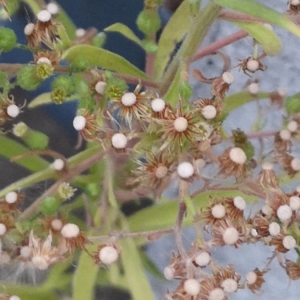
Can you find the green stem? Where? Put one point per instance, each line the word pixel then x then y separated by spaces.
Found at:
pixel 35 5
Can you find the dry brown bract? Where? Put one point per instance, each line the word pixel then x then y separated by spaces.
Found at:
pixel 255 280
pixel 292 270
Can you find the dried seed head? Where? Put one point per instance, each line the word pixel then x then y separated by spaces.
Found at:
pixel 239 202
pixel 228 77
pixel 292 270
pixel 11 197
pixel 295 164
pixel 14 297
pixel 253 88
pixel 169 273
pixel 128 99
pixel 108 255
pixel 44 16
pixel 3 229
pixel 202 259
pixel 100 87
pixel 29 28
pixel 185 170
pixel 216 294
pixel 25 252
pixel 181 124
pixel 285 134
pixel 192 287
pixel 161 171
pixel 295 2
pixel 79 123
pixel 58 164
pixel 218 211
pixel 229 285
pixel 53 8
pixel 294 203
pixel 230 236
pixel 274 229
pixel 267 210
pixel 251 278
pixel 237 155
pixel 13 110
pixel 284 212
pixel 119 141
pixel 44 60
pixel 70 231
pixel 289 242
pixel 80 32
pixel 292 126
pixel 56 224
pixel 209 112
pixel 158 105
pixel 252 65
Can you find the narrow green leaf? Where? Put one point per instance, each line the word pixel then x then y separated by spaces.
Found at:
pixel 65 40
pixel 172 94
pixel 68 24
pixel 45 98
pixel 103 58
pixel 125 31
pixel 172 34
pixel 266 37
pixel 262 12
pixel 138 284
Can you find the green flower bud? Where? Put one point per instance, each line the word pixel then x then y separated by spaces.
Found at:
pixel 43 71
pixel 58 95
pixel 26 78
pixel 65 191
pixel 80 64
pixel 239 137
pixel 8 39
pixel 50 206
pixel 3 80
pixel 292 104
pixel 64 82
pixel 152 4
pixel 185 90
pixel 99 40
pixel 150 47
pixel 148 21
pixel 92 190
pixel 34 139
pixel 115 88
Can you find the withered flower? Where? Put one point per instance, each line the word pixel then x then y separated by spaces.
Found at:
pixel 235 208
pixel 107 254
pixel 267 177
pixel 214 212
pixel 86 125
pixel 208 108
pixel 46 28
pixel 176 268
pixel 227 278
pixel 291 164
pixel 210 289
pixel 278 97
pixel 293 6
pixel 283 243
pixel 12 201
pixel 221 85
pixel 292 270
pixel 50 57
pixel 255 280
pixel 33 38
pixel 52 224
pixel 261 225
pixel 252 65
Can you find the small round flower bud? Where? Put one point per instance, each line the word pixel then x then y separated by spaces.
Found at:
pixel 289 242
pixel 11 197
pixel 13 110
pixel 80 32
pixel 108 255
pixel 44 60
pixel 65 191
pixel 161 171
pixel 79 123
pixel 20 129
pixel 202 259
pixel 254 232
pixel 209 112
pixel 3 229
pixel 284 212
pixel 292 126
pixel 295 164
pixel 253 88
pixel 63 82
pixel 192 287
pixel 185 170
pixel 216 294
pixel 230 236
pixel 229 285
pixel 239 202
pixel 100 87
pixel 228 77
pixel 27 79
pixel 158 105
pixel 14 297
pixel 58 164
pixel 80 64
pixel 148 21
pixel 169 273
pixel 29 28
pixel 285 134
pixel 25 252
pixel 99 40
pixel 50 205
pixel 70 231
pixel 128 99
pixel 8 39
pixel 43 71
pixel 57 224
pixel 252 65
pixel 53 8
pixel 218 211
pixel 251 277
pixel 294 203
pixel 274 229
pixel 44 16
pixel 238 155
pixel 119 141
pixel 180 124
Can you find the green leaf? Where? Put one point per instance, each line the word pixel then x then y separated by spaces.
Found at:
pixel 138 284
pixel 68 24
pixel 125 31
pixel 172 34
pixel 45 98
pixel 64 37
pixel 10 149
pixel 266 37
pixel 262 12
pixel 103 58
pixel 172 94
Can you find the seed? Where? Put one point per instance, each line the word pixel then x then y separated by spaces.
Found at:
pixel 11 197
pixel 237 155
pixel 128 99
pixel 239 202
pixel 192 287
pixel 14 297
pixel 100 87
pixel 57 224
pixel 252 65
pixel 44 60
pixel 229 285
pixel 25 252
pixel 70 231
pixel 295 164
pixel 58 164
pixel 209 112
pixel 185 170
pixel 79 123
pixel 29 28
pixel 108 255
pixel 218 211
pixel 169 273
pixel 254 232
pixel 44 16
pixel 230 236
pixel 158 105
pixel 294 202
pixel 251 277
pixel 53 8
pixel 267 166
pixel 80 32
pixel 13 110
pixel 119 141
pixel 285 134
pixel 216 294
pixel 289 242
pixel 228 77
pixel 180 124
pixel 292 126
pixel 161 171
pixel 253 88
pixel 202 259
pixel 274 229
pixel 284 212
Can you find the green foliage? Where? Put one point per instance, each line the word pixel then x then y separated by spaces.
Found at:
pixel 8 39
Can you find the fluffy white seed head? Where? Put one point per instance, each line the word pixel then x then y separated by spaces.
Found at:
pixel 252 65
pixel 289 242
pixel 284 212
pixel 251 277
pixel 269 26
pixel 202 259
pixel 44 16
pixel 169 273
pixel 295 164
pixel 216 294
pixel 292 126
pixel 209 112
pixel 228 77
pixel 53 8
pixel 108 255
pixel 229 285
pixel 267 166
pixel 254 232
pixel 161 171
pixel 25 252
pixel 79 123
pixel 40 262
pixel 14 297
pixel 57 224
pixel 119 141
pixel 44 60
pixel 13 110
pixel 218 211
pixel 253 88
pixel 29 28
pixel 230 236
pixel 58 164
pixel 180 124
pixel 239 202
pixel 274 229
pixel 3 229
pixel 70 231
pixel 294 202
pixel 100 87
pixel 295 2
pixel 11 197
pixel 285 134
pixel 158 104
pixel 80 32
pixel 185 170
pixel 267 210
pixel 192 287
pixel 237 155
pixel 128 99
